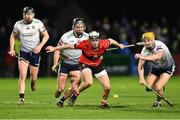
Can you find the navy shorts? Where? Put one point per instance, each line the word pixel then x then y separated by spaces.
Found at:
pixel 94 69
pixel 158 72
pixel 34 59
pixel 66 68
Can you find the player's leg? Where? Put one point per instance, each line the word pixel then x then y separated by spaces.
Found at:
pixel 160 84
pixel 163 79
pixel 75 78
pixel 164 76
pixel 88 81
pixel 68 93
pixel 61 79
pixel 61 84
pixel 33 76
pixel 34 68
pixel 150 80
pixel 23 68
pixel 105 82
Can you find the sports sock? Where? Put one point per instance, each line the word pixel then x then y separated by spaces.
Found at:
pixel 74 97
pixel 21 95
pixel 62 99
pixel 104 102
pixel 158 99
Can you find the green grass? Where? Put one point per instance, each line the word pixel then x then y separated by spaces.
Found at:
pixel 133 102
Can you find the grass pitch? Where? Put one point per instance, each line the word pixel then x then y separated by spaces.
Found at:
pixel 133 102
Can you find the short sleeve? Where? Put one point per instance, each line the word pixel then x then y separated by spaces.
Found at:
pixel 105 43
pixel 15 29
pixel 41 27
pixel 80 45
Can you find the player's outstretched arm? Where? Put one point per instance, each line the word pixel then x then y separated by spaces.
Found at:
pixel 64 46
pixel 156 56
pixel 113 42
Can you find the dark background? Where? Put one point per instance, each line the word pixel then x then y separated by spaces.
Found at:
pixel 120 15
pixel 95 9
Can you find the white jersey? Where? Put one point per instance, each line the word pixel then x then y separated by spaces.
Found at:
pixel 72 54
pixel 29 34
pixel 165 61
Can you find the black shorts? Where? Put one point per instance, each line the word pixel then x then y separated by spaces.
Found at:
pixel 66 68
pixel 34 59
pixel 94 69
pixel 158 72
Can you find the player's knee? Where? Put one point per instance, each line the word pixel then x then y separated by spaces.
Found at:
pixel 107 88
pixel 33 76
pixel 22 75
pixel 88 84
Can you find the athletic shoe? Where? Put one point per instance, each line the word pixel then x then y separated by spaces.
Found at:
pixel 72 99
pixel 60 104
pixel 105 106
pixel 156 104
pixel 57 94
pixel 33 85
pixel 21 101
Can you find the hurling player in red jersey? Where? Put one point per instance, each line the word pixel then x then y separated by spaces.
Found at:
pixel 90 61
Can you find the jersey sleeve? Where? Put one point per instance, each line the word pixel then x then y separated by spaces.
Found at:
pixel 62 40
pixel 159 48
pixel 105 43
pixel 41 27
pixel 15 29
pixel 80 45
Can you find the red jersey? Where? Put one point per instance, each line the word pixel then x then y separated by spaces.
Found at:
pixel 90 56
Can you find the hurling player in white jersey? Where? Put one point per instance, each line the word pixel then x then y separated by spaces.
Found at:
pixel 69 67
pixel 162 65
pixel 29 31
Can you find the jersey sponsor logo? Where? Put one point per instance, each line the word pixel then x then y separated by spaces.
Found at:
pixel 33 27
pixel 72 41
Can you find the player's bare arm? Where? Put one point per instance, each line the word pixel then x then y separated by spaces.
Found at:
pixel 156 56
pixel 45 38
pixel 141 72
pixel 12 43
pixel 64 46
pixel 56 57
pixel 116 43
